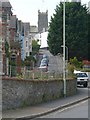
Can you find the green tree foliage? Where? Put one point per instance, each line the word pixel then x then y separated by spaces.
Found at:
pixel 76 63
pixel 29 60
pixel 89 36
pixel 35 47
pixel 76 29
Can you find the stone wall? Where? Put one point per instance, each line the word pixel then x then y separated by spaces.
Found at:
pixel 21 93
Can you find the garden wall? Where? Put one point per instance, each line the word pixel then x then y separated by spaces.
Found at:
pixel 20 93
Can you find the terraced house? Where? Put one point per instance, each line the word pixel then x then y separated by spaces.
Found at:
pixel 10 49
pixel 5 13
pixel 15 40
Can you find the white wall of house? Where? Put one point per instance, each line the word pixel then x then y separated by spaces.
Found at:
pixel 27 45
pixel 28 42
pixel 42 39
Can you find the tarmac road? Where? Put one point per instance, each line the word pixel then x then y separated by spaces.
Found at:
pixel 79 110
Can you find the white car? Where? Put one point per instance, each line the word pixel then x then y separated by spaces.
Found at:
pixel 82 79
pixel 1 74
pixel 44 60
pixel 45 57
pixel 43 67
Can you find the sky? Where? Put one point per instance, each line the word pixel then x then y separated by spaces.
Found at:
pixel 27 10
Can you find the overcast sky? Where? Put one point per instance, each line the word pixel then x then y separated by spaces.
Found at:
pixel 27 10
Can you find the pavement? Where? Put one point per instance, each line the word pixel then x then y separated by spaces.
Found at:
pixel 44 108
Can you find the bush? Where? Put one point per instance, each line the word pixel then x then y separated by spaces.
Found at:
pixel 76 63
pixel 71 68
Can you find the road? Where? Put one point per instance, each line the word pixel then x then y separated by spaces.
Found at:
pixel 79 110
pixel 0 97
pixel 55 62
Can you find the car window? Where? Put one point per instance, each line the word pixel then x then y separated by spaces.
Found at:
pixel 43 64
pixel 44 56
pixel 82 75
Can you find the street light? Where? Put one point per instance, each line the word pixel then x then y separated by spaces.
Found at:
pixel 66 56
pixel 64 77
pixel 67 59
pixel 66 52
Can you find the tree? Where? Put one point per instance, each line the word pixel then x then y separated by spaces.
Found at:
pixel 31 59
pixel 89 36
pixel 35 47
pixel 76 26
pixel 76 63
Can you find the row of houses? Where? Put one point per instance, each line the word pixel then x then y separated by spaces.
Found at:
pixel 16 36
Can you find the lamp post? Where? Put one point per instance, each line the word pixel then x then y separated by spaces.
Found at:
pixel 66 52
pixel 64 74
pixel 66 57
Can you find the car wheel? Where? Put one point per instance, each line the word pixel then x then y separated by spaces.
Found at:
pixel 85 85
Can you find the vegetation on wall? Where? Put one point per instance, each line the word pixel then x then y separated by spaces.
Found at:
pixel 74 64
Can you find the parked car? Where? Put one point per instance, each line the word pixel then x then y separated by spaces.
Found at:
pixel 2 74
pixel 82 79
pixel 43 67
pixel 45 57
pixel 44 60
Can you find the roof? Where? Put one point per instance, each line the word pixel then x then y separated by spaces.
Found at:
pixel 4 0
pixel 33 29
pixel 26 27
pixel 13 21
pixel 5 3
pixel 86 62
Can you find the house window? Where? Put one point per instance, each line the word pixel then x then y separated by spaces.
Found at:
pixel 26 43
pixel 26 53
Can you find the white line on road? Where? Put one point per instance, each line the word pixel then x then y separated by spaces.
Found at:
pixel 71 106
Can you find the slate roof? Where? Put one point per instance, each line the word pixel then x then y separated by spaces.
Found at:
pixel 13 21
pixel 4 0
pixel 5 3
pixel 26 27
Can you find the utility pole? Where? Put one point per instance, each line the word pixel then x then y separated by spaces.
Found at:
pixel 64 67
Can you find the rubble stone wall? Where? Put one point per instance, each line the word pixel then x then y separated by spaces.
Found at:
pixel 20 93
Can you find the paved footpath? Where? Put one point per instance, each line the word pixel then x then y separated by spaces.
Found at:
pixel 34 111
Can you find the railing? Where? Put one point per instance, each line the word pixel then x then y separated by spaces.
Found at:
pixel 41 75
pixel 34 73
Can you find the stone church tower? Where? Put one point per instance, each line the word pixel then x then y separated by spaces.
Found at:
pixel 42 21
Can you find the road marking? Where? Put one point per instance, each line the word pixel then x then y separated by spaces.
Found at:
pixel 72 106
